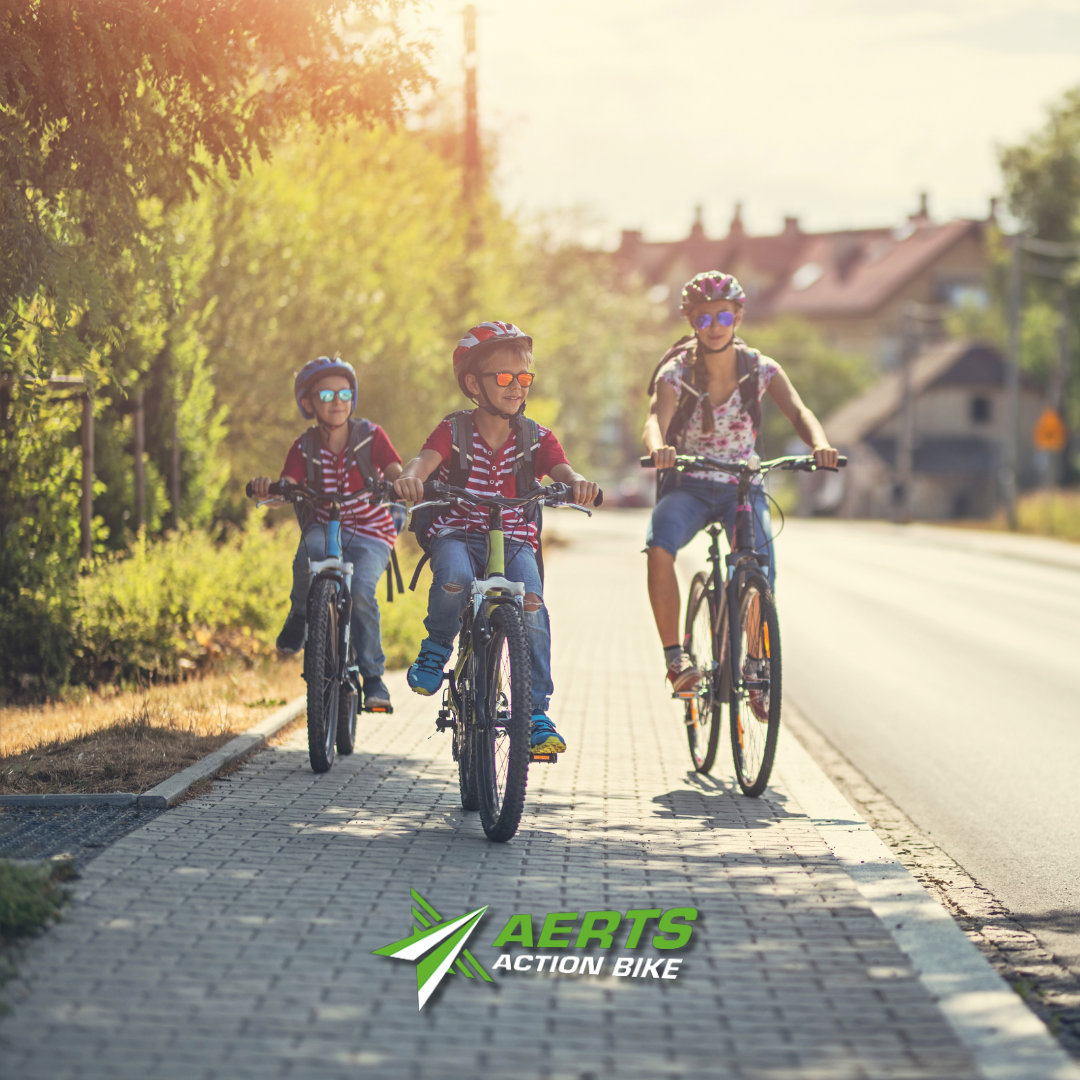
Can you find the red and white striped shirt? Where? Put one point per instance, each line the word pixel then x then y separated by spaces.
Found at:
pixel 359 516
pixel 492 474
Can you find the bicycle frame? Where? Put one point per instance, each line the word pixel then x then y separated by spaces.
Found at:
pixel 486 592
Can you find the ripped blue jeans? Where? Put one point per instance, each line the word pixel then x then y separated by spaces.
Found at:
pixel 456 560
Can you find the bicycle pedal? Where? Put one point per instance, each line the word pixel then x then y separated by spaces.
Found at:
pixel 547 759
pixel 684 695
pixel 387 709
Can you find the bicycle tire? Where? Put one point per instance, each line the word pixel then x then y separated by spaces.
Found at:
pixel 463 735
pixel 348 706
pixel 755 714
pixel 501 747
pixel 704 710
pixel 321 673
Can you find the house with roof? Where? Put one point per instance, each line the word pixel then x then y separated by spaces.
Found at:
pixel 959 426
pixel 852 283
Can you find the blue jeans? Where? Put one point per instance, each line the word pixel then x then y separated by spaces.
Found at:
pixel 456 560
pixel 369 558
pixel 685 509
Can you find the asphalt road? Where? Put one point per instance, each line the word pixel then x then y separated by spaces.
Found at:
pixel 945 665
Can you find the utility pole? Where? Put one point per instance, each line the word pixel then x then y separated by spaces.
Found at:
pixel 1010 460
pixel 140 462
pixel 87 473
pixel 905 443
pixel 471 177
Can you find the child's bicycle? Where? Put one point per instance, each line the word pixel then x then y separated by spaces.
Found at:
pixel 334 689
pixel 488 701
pixel 733 637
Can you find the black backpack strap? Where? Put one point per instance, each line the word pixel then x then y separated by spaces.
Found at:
pixel 749 384
pixel 461 448
pixel 689 396
pixel 311 449
pixel 527 442
pixel 361 438
pixel 393 571
pixel 416 573
pixel 678 347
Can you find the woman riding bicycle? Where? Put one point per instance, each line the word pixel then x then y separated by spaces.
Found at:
pixel 706 399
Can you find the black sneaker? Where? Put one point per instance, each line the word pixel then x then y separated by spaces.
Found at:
pixel 376 696
pixel 293 635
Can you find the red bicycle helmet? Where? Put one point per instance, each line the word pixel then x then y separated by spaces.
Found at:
pixel 709 287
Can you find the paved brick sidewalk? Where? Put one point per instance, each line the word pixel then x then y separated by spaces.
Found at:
pixel 232 936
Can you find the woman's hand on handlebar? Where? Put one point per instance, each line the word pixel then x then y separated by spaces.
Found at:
pixel 409 488
pixel 664 457
pixel 826 457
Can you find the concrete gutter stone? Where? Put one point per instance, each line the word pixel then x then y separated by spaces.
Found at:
pixel 168 791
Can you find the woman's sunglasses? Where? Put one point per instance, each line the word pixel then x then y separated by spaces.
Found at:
pixel 505 378
pixel 721 318
pixel 326 396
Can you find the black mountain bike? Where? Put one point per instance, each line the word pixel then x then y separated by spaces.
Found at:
pixel 488 702
pixel 334 689
pixel 733 637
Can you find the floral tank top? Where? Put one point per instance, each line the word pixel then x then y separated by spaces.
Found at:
pixel 733 437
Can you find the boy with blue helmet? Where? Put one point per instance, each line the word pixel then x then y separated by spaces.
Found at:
pixel 340 454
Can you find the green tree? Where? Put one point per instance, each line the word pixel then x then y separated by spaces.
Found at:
pixel 152 100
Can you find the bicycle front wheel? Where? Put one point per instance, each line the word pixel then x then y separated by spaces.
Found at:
pixel 755 688
pixel 703 710
pixel 321 673
pixel 348 704
pixel 501 742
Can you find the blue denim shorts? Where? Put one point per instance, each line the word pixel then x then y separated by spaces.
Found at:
pixel 688 506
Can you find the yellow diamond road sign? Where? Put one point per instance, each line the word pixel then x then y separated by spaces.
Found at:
pixel 1049 432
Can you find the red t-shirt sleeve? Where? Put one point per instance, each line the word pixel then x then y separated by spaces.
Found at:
pixel 549 454
pixel 295 468
pixel 382 450
pixel 441 440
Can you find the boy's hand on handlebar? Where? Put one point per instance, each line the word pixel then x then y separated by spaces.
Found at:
pixel 260 487
pixel 826 457
pixel 409 488
pixel 664 457
pixel 584 492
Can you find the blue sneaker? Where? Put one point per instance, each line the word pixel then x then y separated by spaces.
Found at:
pixel 426 674
pixel 545 739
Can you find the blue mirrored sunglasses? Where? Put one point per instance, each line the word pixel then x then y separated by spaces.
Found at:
pixel 327 396
pixel 722 318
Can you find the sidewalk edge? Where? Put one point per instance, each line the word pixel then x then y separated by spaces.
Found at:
pixel 1007 1040
pixel 168 791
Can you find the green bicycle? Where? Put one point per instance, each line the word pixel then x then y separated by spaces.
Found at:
pixel 488 701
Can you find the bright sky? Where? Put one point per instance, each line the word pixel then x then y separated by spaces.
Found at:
pixel 836 111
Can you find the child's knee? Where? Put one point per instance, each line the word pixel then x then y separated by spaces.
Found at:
pixel 533 602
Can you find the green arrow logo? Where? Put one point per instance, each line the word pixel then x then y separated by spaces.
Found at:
pixel 437 946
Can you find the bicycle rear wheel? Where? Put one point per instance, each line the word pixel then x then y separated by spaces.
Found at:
pixel 755 693
pixel 703 710
pixel 501 746
pixel 321 673
pixel 463 734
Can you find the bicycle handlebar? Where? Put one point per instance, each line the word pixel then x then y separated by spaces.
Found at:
pixel 800 463
pixel 552 495
pixel 380 491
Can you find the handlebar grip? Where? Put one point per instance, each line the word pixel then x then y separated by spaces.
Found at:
pixel 276 488
pixel 841 460
pixel 248 492
pixel 599 500
pixel 647 463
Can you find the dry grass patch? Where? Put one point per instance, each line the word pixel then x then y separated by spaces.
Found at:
pixel 130 741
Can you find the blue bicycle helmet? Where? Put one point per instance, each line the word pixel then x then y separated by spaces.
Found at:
pixel 315 370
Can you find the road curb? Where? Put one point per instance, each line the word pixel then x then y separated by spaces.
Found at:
pixel 1008 1041
pixel 168 791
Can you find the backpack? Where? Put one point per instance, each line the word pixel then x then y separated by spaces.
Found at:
pixel 358 449
pixel 690 396
pixel 526 433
